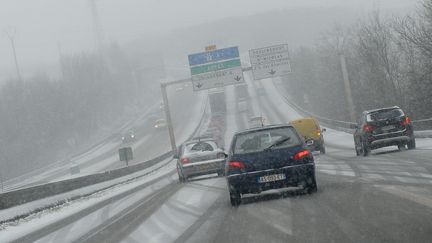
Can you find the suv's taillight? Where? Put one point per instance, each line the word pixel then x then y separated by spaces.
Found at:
pixel 406 121
pixel 184 160
pixel 368 128
pixel 236 165
pixel 302 154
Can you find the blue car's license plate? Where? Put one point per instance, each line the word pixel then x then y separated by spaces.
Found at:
pixel 271 178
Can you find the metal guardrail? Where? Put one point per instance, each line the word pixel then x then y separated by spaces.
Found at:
pixel 420 125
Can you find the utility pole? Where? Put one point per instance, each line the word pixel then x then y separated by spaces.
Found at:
pixel 347 85
pixel 60 59
pixel 10 34
pixel 96 25
pixel 1 180
pixel 168 116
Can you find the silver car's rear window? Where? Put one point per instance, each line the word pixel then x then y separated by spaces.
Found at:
pixel 200 147
pixel 256 141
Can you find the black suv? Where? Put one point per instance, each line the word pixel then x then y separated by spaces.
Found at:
pixel 381 128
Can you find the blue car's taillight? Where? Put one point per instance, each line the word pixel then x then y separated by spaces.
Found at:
pixel 302 154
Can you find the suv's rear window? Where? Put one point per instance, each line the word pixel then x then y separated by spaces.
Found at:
pixel 384 115
pixel 256 141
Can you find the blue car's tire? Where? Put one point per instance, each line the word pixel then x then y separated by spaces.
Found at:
pixel 235 199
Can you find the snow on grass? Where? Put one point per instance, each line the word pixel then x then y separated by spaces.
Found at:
pixel 9 213
pixel 13 230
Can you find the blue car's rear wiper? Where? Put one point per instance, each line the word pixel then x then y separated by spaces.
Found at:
pixel 277 142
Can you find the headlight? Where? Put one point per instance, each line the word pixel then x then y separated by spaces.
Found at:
pixel 132 136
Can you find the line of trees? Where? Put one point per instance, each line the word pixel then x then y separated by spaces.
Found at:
pixel 44 119
pixel 389 61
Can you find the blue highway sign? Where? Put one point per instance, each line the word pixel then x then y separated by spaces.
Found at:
pixel 213 56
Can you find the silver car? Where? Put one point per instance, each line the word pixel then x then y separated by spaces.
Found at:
pixel 199 157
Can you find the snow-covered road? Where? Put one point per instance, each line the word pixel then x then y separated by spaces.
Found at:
pixel 386 197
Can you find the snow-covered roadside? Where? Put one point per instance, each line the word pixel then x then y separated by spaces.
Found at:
pixel 187 130
pixel 9 213
pixel 15 229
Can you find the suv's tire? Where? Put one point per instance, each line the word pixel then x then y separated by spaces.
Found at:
pixel 235 198
pixel 412 144
pixel 356 148
pixel 401 146
pixel 365 149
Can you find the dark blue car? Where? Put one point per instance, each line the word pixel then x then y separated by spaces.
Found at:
pixel 267 158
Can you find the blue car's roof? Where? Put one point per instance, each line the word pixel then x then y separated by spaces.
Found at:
pixel 267 127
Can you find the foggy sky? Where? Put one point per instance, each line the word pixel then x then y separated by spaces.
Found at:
pixel 45 27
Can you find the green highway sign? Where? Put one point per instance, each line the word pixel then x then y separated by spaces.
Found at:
pixel 125 154
pixel 215 66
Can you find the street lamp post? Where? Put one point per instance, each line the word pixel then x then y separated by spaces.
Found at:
pixel 10 34
pixel 347 85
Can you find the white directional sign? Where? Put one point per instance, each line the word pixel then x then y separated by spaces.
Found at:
pixel 217 79
pixel 270 61
pixel 215 68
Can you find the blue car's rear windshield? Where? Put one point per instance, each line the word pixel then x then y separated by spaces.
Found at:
pixel 259 140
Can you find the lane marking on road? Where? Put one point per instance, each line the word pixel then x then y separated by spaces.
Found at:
pixel 410 193
pixel 267 216
pixel 187 204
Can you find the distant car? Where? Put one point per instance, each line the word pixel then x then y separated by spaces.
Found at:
pixel 309 128
pixel 381 128
pixel 199 157
pixel 128 137
pixel 242 105
pixel 160 123
pixel 268 157
pixel 257 121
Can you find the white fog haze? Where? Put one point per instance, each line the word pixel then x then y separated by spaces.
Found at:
pixel 45 27
pixel 171 121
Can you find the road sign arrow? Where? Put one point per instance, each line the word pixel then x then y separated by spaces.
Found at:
pixel 272 72
pixel 199 85
pixel 237 78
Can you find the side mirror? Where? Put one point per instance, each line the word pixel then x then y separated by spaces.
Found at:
pixel 324 130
